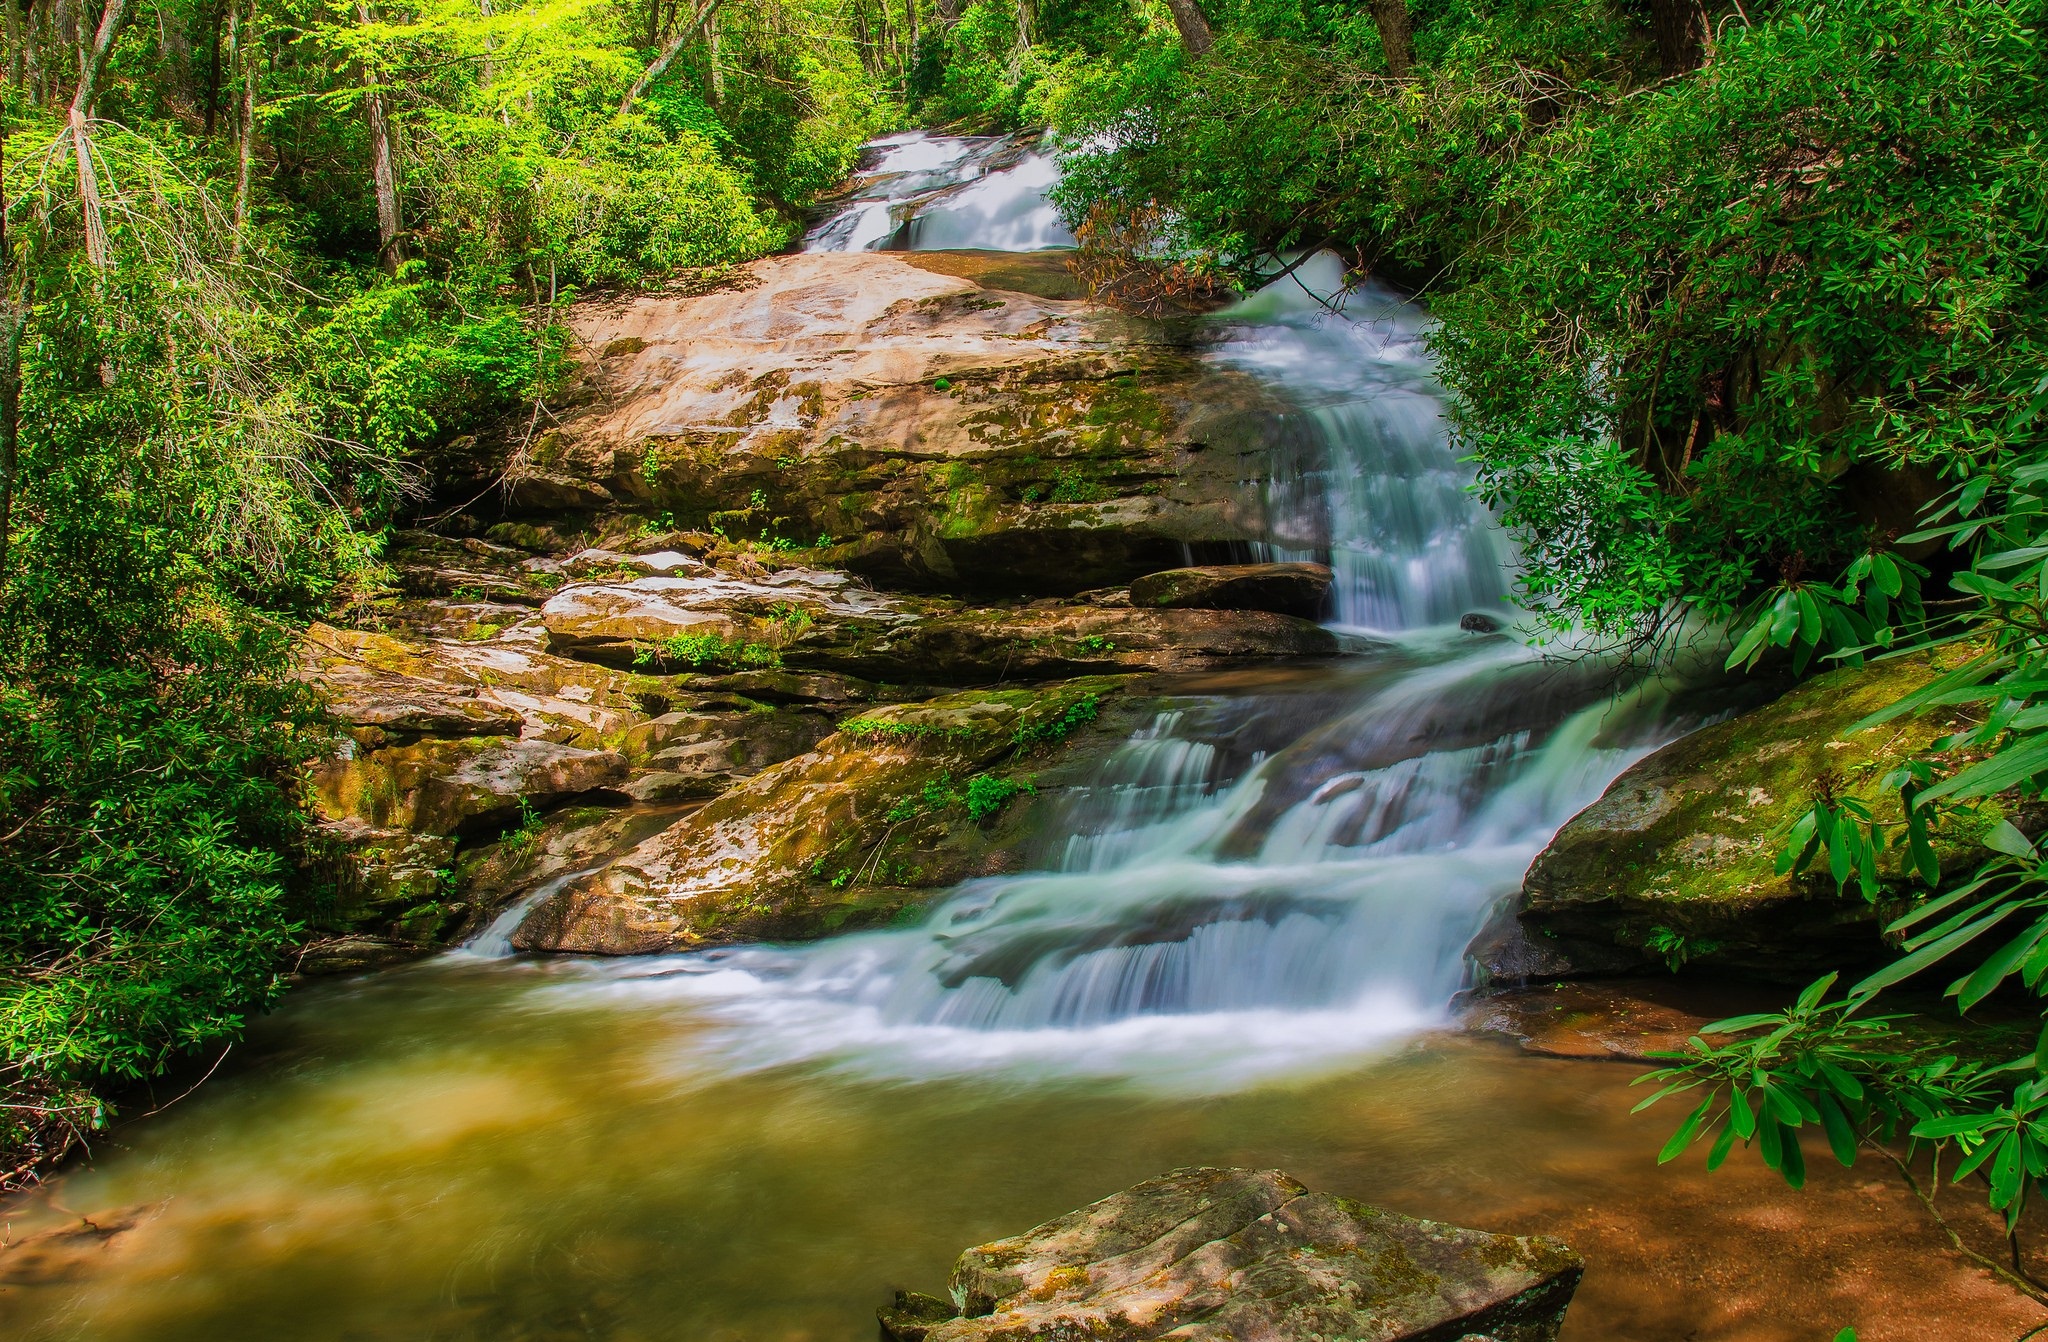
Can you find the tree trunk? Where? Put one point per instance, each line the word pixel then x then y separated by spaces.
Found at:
pixel 682 38
pixel 1194 28
pixel 13 318
pixel 222 17
pixel 16 33
pixel 92 61
pixel 1397 35
pixel 910 45
pixel 1676 26
pixel 717 76
pixel 383 165
pixel 245 55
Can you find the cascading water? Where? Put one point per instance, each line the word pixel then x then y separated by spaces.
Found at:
pixel 931 193
pixel 1375 489
pixel 1215 912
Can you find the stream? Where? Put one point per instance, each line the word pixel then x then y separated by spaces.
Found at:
pixel 1246 946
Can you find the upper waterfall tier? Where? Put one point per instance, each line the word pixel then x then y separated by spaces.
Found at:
pixel 944 192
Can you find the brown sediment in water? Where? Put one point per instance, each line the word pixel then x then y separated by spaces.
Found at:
pixel 514 1152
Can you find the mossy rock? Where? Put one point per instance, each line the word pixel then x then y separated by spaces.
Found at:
pixel 1677 861
pixel 867 825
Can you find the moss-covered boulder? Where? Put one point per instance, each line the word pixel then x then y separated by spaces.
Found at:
pixel 1214 1254
pixel 1677 861
pixel 900 801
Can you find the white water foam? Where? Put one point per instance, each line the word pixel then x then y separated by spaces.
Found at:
pixel 943 192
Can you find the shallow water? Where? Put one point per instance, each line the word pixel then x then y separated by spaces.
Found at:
pixel 511 1150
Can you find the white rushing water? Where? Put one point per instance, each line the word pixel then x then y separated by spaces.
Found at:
pixel 936 192
pixel 1217 913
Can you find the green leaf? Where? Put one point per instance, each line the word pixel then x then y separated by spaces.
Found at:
pixel 2008 767
pixel 1998 965
pixel 1927 955
pixel 2003 837
pixel 1841 1136
pixel 1686 1132
pixel 1723 1144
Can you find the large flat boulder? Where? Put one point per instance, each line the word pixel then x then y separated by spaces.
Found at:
pixel 1676 862
pixel 1224 1255
pixel 1286 589
pixel 936 430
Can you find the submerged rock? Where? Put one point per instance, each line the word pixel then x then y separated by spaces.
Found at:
pixel 1677 860
pixel 1209 1255
pixel 1286 589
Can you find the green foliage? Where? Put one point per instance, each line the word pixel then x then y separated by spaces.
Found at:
pixel 698 650
pixel 983 798
pixel 1036 732
pixel 1687 321
pixel 878 729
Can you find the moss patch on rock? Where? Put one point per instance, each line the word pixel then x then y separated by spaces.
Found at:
pixel 1677 861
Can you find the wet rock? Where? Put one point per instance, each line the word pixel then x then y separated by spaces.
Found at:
pixel 974 437
pixel 614 563
pixel 1479 622
pixel 355 953
pixel 679 622
pixel 791 687
pixel 400 707
pixel 1676 863
pixel 1234 1253
pixel 848 834
pixel 819 620
pixel 447 787
pixel 1286 589
pixel 576 838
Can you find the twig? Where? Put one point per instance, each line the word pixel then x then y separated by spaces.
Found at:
pixel 2019 1281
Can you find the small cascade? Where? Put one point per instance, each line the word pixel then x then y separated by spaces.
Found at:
pixel 1376 488
pixel 495 941
pixel 944 192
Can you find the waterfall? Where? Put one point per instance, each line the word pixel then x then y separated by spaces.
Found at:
pixel 1377 489
pixel 1213 911
pixel 938 192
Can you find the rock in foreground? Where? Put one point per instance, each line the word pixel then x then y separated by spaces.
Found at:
pixel 1220 1254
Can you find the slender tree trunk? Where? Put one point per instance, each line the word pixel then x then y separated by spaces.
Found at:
pixel 13 318
pixel 1194 28
pixel 1676 26
pixel 910 43
pixel 715 75
pixel 16 34
pixel 92 61
pixel 1397 35
pixel 222 16
pixel 1025 24
pixel 383 165
pixel 682 38
pixel 245 55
